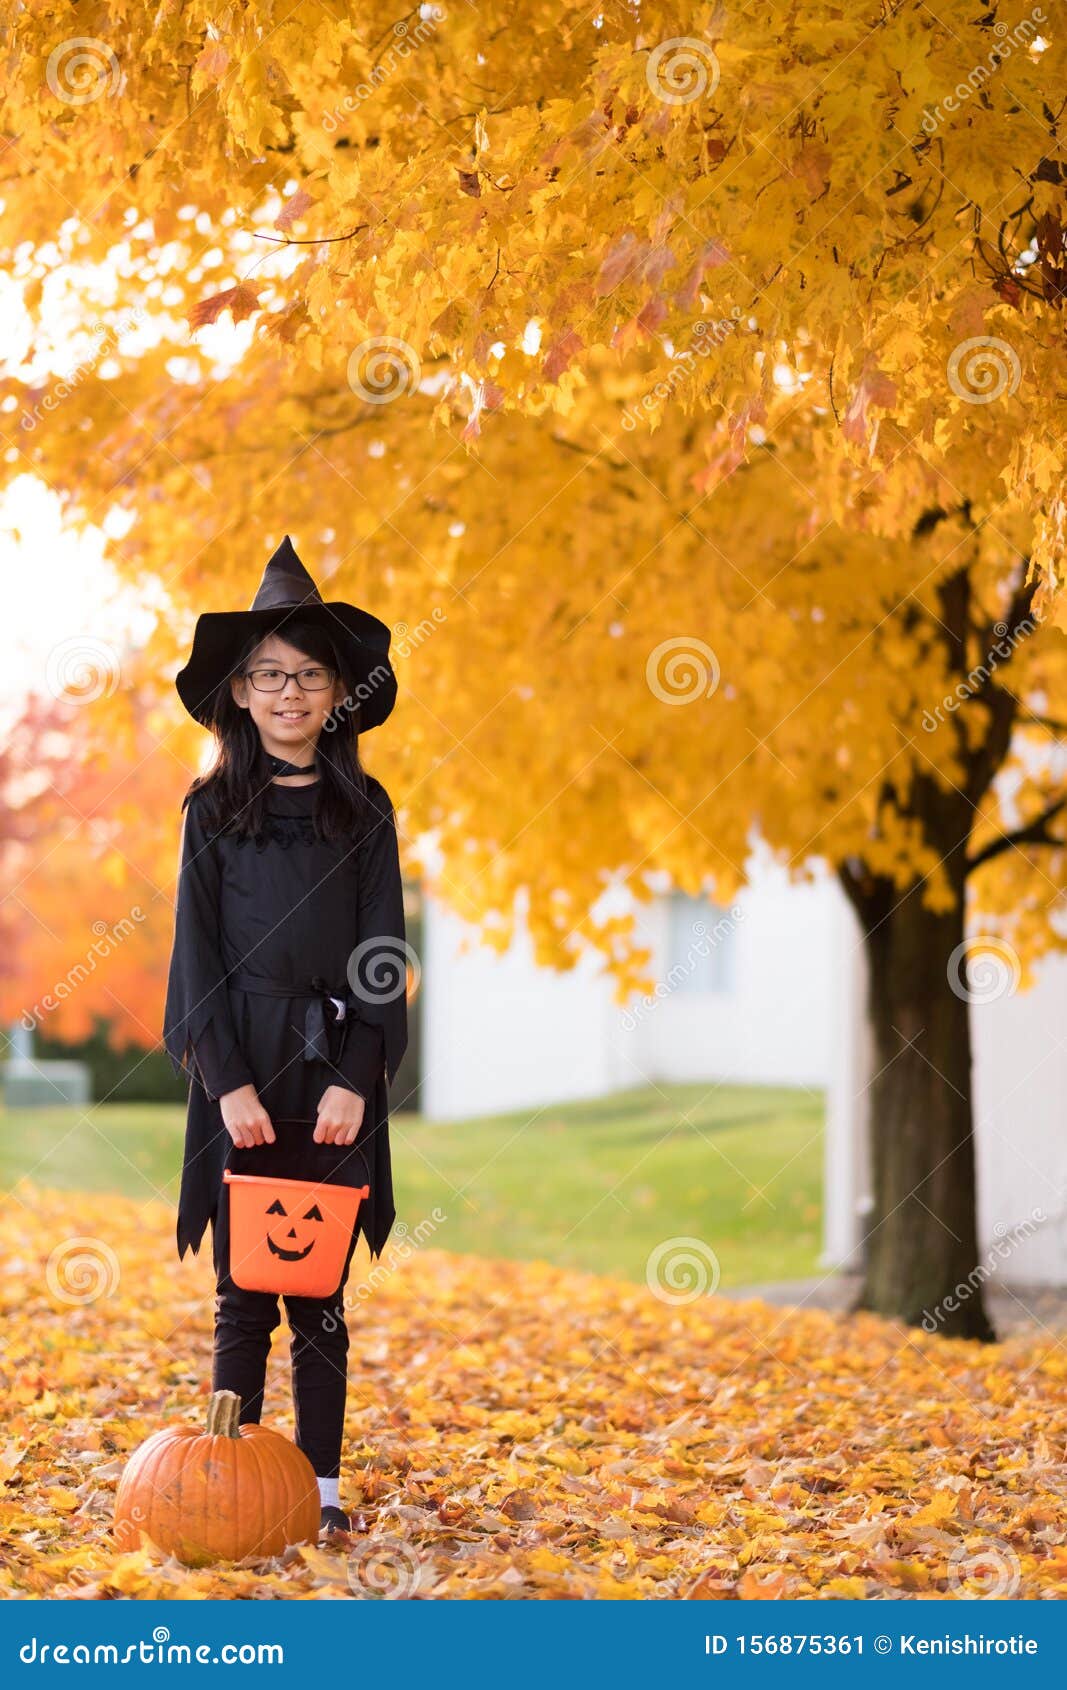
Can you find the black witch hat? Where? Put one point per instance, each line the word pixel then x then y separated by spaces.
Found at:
pixel 362 640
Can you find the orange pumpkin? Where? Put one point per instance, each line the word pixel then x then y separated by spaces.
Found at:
pixel 218 1494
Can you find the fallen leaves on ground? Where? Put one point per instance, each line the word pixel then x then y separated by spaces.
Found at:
pixel 515 1430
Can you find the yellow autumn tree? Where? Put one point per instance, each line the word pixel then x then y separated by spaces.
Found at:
pixel 689 394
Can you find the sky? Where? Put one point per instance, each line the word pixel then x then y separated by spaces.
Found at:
pixel 65 607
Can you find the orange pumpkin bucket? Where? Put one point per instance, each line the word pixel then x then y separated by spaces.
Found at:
pixel 290 1235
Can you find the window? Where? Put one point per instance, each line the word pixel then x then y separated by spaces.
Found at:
pixel 701 945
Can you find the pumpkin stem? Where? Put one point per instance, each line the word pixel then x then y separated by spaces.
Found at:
pixel 223 1411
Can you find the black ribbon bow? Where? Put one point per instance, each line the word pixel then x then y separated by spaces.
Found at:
pixel 316 1025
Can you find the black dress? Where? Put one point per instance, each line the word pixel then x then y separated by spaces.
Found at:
pixel 272 936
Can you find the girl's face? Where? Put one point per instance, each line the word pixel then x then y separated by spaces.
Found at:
pixel 290 720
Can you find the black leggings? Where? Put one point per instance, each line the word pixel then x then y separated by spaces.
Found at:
pixel 244 1325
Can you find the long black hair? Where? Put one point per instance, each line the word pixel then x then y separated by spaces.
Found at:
pixel 238 785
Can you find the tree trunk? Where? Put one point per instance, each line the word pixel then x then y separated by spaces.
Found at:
pixel 922 1247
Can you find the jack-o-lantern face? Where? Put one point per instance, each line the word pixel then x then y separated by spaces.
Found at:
pixel 292 1250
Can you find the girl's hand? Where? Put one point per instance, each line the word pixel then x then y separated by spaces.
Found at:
pixel 245 1118
pixel 340 1116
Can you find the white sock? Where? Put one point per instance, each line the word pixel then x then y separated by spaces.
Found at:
pixel 329 1492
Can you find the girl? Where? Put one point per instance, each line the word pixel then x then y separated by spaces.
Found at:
pixel 286 997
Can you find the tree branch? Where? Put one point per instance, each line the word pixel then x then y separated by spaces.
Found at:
pixel 1047 723
pixel 312 240
pixel 1034 833
pixel 1016 622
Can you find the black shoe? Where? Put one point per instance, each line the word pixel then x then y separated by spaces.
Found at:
pixel 333 1520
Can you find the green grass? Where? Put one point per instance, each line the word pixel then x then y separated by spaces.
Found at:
pixel 592 1185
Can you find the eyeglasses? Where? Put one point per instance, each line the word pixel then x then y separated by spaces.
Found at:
pixel 273 680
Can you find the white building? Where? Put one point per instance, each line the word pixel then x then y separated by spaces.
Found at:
pixel 742 997
pixel 769 991
pixel 1020 1083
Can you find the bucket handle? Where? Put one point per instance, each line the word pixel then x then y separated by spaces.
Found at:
pixel 228 1175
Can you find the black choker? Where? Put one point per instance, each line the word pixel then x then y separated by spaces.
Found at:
pixel 278 765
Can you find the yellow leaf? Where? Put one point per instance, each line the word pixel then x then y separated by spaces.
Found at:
pixel 942 1506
